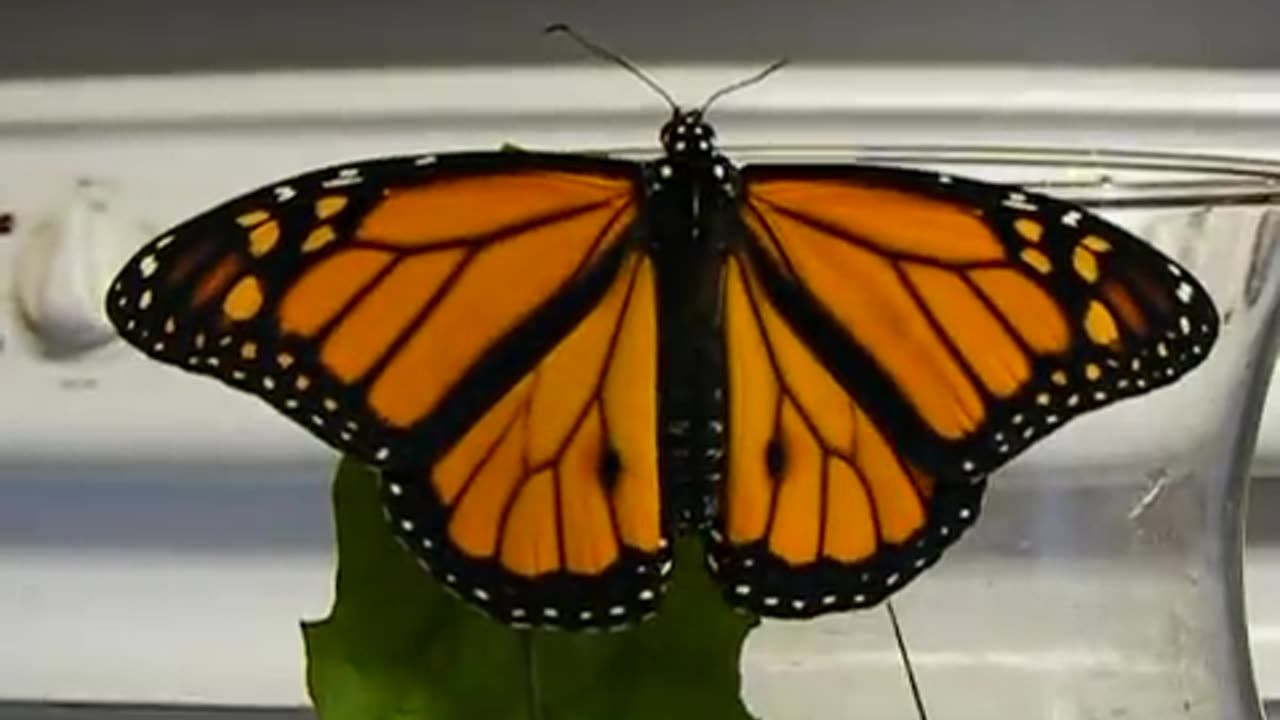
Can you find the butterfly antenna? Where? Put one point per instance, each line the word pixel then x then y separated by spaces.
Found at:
pixel 745 82
pixel 906 663
pixel 614 58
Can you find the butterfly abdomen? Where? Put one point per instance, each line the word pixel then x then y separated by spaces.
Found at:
pixel 692 438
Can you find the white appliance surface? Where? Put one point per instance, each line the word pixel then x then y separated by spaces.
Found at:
pixel 161 536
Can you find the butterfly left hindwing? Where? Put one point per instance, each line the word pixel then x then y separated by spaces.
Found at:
pixel 548 511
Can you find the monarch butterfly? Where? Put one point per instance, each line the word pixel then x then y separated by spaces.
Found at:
pixel 558 361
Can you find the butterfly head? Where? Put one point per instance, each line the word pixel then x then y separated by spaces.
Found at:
pixel 688 133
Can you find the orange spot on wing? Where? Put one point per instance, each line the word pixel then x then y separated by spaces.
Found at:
pixel 244 300
pixel 893 221
pixel 263 238
pixel 1037 260
pixel 1100 325
pixel 318 238
pixel 1085 262
pixel 329 206
pixel 252 218
pixel 1029 229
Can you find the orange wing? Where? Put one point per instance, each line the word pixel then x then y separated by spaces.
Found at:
pixel 892 337
pixel 386 305
pixel 548 511
pixel 970 319
pixel 819 511
pixel 481 326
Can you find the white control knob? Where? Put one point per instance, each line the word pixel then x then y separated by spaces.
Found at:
pixel 65 265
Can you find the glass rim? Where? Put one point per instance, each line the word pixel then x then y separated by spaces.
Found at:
pixel 1205 178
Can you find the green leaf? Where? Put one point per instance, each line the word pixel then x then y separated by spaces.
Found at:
pixel 396 645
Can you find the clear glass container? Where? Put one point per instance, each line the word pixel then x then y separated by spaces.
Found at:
pixel 1104 577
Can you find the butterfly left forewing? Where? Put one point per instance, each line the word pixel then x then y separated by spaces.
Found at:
pixel 359 299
